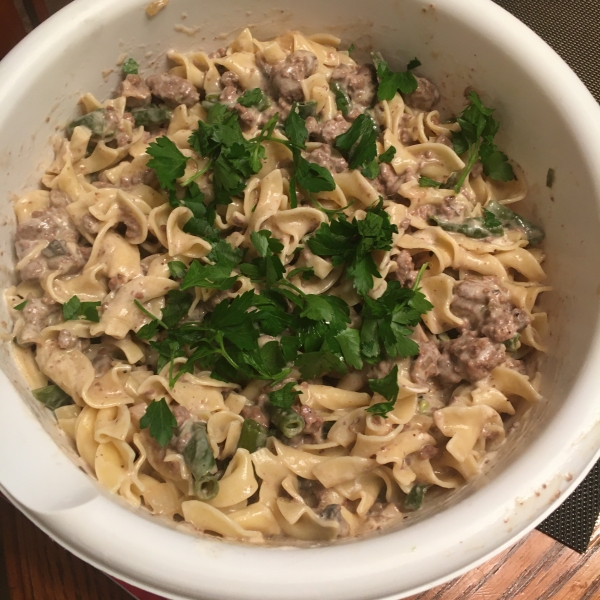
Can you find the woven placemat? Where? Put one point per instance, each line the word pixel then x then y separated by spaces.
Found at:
pixel 573 30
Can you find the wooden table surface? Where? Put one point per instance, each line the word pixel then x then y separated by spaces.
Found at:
pixel 537 568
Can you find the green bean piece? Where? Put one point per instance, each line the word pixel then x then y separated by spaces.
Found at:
pixel 473 227
pixel 253 436
pixel 95 121
pixel 415 497
pixel 151 115
pixel 307 109
pixel 424 407
pixel 198 454
pixel 342 101
pixel 513 344
pixel 287 421
pixel 52 396
pixel 206 488
pixel 510 218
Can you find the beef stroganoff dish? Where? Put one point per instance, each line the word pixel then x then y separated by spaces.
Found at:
pixel 276 295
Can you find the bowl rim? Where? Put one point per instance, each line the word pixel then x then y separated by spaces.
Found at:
pixel 69 527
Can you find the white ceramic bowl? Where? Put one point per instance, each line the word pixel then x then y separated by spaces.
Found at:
pixel 548 120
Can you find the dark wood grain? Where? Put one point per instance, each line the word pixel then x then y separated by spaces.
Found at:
pixel 536 568
pixel 11 26
pixel 36 568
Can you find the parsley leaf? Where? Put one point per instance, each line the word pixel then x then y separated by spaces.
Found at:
pixel 342 101
pixel 349 341
pixel 177 269
pixel 306 272
pixel 313 177
pixel 389 389
pixel 427 182
pixel 490 220
pixel 359 144
pixel 160 420
pixel 203 218
pixel 130 67
pixel 254 97
pixel 268 265
pixel 285 396
pixel 390 82
pixel 217 275
pixel 177 307
pixel 388 321
pixel 353 243
pixel 295 128
pixel 413 64
pixel 315 364
pixel 21 305
pixel 415 497
pixel 233 158
pixel 74 308
pixel 388 155
pixel 167 160
pixel 371 169
pixel 476 137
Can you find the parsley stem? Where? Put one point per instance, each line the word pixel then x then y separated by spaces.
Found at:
pixel 419 276
pixel 197 174
pixel 287 143
pixel 473 154
pixel 329 212
pixel 286 283
pixel 149 314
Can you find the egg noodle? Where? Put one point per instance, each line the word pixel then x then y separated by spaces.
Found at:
pixel 274 294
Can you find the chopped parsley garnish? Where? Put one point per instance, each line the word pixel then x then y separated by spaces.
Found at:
pixel 388 388
pixel 414 498
pixel 74 309
pixel 233 158
pixel 359 144
pixel 388 155
pixel 342 101
pixel 311 332
pixel 216 275
pixel 167 160
pixel 309 176
pixel 130 67
pixel 21 305
pixel 388 322
pixel 268 265
pixel 476 138
pixel 177 269
pixel 255 98
pixel 349 341
pixel 160 420
pixel 285 396
pixel 353 243
pixel 391 82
